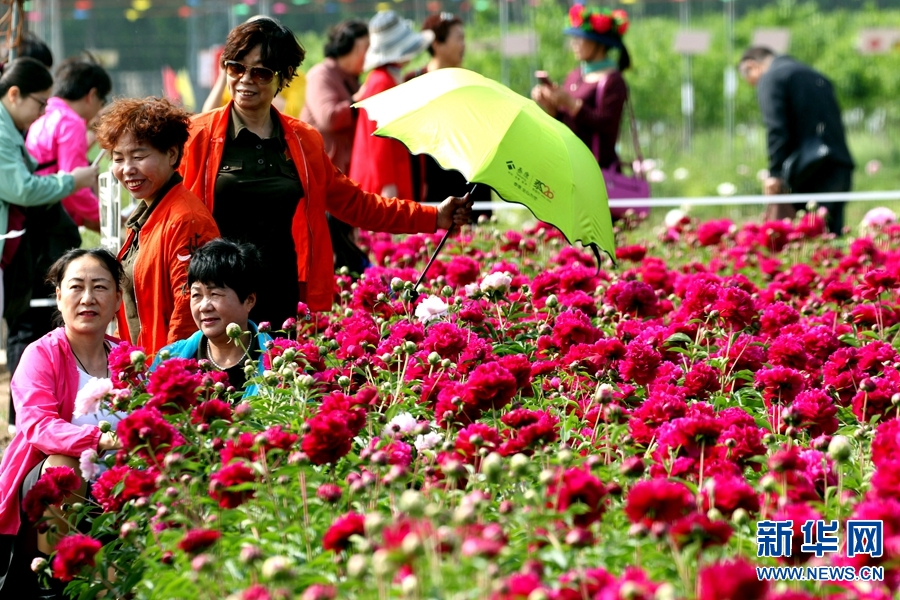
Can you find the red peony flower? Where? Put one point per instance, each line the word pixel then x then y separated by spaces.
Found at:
pixel 519 586
pixel 697 527
pixel 486 436
pixel 729 493
pixel 489 387
pixel 578 486
pixel 198 540
pixel 658 501
pixel 73 553
pixel 573 327
pixel 124 371
pixel 519 366
pixel 731 579
pixel 147 433
pixel 233 475
pixel 103 488
pixel 55 484
pixel 634 298
pixel 779 385
pixel 139 484
pixel 211 410
pixel 886 445
pixel 328 438
pixel 640 363
pixel 337 538
pixel 462 270
pixel 175 384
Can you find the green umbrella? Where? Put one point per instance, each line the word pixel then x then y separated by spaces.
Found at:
pixel 496 137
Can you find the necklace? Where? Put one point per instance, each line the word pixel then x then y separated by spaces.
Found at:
pixel 217 365
pixel 81 364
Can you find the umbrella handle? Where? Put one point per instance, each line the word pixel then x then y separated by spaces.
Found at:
pixel 415 293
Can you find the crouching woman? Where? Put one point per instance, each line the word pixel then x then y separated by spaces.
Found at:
pixel 51 372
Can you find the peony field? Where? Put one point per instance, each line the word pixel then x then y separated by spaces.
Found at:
pixel 714 417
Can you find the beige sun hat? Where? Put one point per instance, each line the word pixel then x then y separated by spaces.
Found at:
pixel 393 40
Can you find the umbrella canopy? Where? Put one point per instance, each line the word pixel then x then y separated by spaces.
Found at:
pixel 496 137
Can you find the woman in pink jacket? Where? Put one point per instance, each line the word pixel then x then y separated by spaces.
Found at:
pixel 58 139
pixel 50 374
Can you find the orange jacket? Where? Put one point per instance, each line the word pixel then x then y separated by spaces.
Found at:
pixel 325 189
pixel 176 227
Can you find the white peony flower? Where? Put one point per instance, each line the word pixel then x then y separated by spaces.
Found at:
pixel 656 176
pixel 402 423
pixel 428 441
pixel 471 289
pixel 87 401
pixel 680 174
pixel 430 309
pixel 674 217
pixel 496 282
pixel 88 463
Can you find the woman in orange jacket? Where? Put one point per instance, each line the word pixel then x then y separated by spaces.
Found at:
pixel 145 138
pixel 267 179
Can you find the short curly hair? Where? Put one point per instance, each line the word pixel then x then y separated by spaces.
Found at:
pixel 280 49
pixel 155 121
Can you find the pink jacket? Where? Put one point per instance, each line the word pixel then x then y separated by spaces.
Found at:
pixel 43 388
pixel 61 135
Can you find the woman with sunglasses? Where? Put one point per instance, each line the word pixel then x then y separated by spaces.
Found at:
pixel 25 86
pixel 268 181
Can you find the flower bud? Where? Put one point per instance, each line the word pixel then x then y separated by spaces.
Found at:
pixel 264 327
pixel 840 449
pixel 740 517
pixel 357 565
pixel 374 523
pixel 396 284
pixel 201 562
pixel 250 553
pixel 242 411
pixel 518 463
pixel 867 385
pixel 289 324
pixel 276 567
pixel 492 467
pixel 104 426
pixel 39 564
pixel 410 585
pixel 234 331
pixel 344 381
pixel 381 562
pixel 633 466
pixel 411 502
pixel 552 301
pixel 128 528
pixel 138 359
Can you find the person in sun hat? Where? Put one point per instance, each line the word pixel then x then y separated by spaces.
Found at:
pixel 591 99
pixel 381 165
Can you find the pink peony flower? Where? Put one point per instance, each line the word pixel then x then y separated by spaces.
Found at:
pixel 88 398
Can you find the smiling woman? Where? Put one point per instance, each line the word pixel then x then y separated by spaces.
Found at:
pixel 268 181
pixel 50 374
pixel 223 277
pixel 146 138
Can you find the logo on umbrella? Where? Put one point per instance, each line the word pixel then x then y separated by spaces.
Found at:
pixel 543 188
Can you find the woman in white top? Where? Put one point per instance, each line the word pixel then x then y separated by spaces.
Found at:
pixel 51 372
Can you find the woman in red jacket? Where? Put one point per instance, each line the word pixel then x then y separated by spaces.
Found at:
pixel 268 181
pixel 145 138
pixel 381 165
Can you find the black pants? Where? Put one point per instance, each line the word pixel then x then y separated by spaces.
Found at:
pixel 836 178
pixel 29 327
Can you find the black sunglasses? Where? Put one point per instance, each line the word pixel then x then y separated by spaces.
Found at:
pixel 236 70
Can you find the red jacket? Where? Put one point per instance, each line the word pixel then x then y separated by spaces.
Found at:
pixel 325 189
pixel 176 227
pixel 376 161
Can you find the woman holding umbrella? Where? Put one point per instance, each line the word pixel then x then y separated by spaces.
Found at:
pixel 591 99
pixel 268 181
